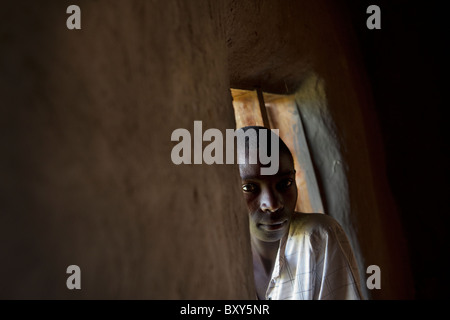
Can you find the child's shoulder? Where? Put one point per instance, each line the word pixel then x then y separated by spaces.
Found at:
pixel 313 223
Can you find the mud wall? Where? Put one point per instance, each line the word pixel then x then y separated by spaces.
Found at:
pixel 86 174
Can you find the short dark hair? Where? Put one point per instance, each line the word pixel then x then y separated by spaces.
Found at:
pixel 283 148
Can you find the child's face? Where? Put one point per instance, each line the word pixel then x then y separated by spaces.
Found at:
pixel 271 199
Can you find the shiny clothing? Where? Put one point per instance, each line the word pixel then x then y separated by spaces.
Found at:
pixel 314 262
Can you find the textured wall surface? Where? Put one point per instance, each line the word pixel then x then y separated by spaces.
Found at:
pixel 86 175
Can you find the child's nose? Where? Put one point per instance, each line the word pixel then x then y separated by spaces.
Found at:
pixel 270 201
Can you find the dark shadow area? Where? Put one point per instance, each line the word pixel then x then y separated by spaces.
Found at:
pixel 405 65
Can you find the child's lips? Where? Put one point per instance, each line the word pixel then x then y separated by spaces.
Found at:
pixel 273 226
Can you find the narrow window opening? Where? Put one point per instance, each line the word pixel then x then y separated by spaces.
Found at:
pixel 274 111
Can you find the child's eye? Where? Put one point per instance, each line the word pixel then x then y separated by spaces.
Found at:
pixel 286 183
pixel 249 187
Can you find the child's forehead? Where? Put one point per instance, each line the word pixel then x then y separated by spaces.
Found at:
pixel 248 170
